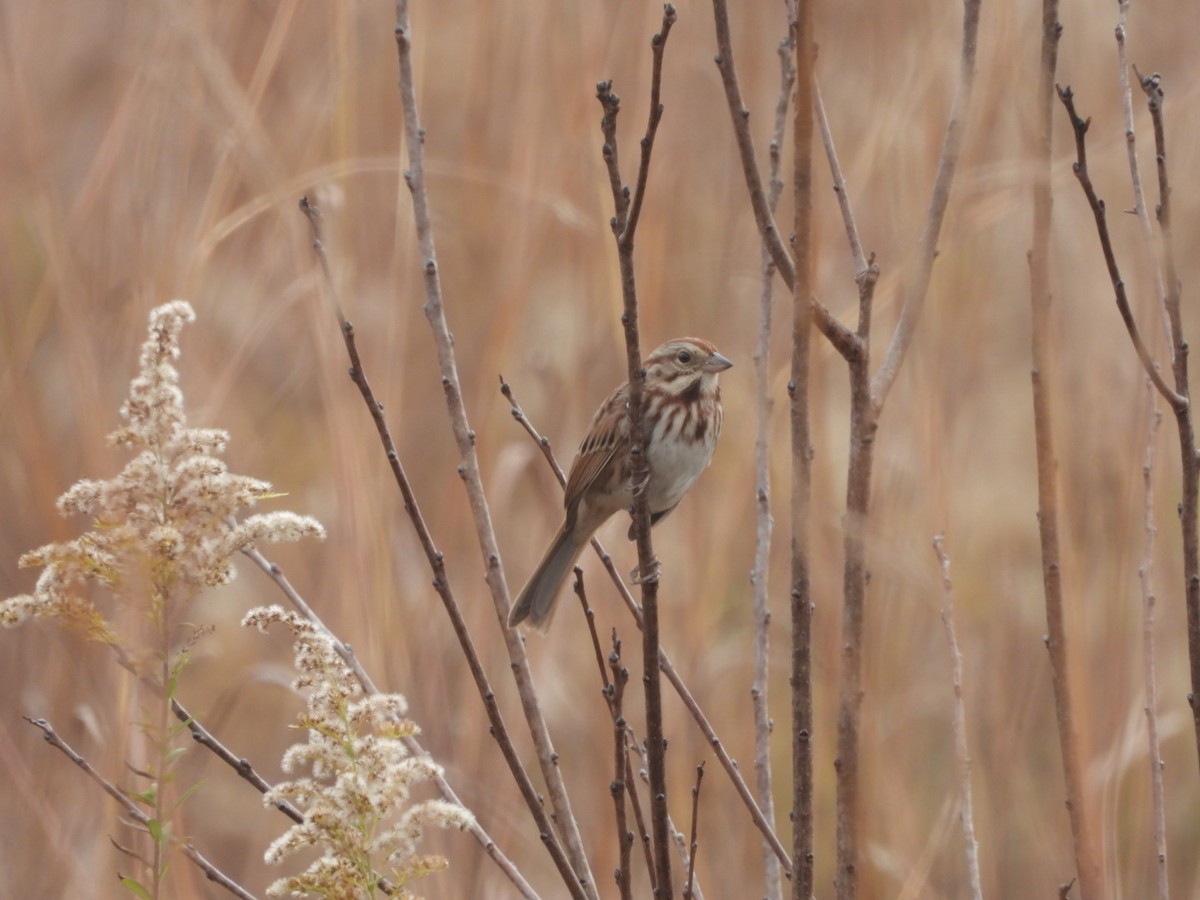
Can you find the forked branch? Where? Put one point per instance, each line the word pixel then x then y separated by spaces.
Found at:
pixel 624 224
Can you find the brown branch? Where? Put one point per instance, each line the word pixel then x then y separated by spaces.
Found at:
pixel 1189 507
pixel 1079 127
pixel 961 750
pixel 952 142
pixel 1135 174
pixel 1078 808
pixel 240 765
pixel 625 223
pixel 760 574
pixel 620 784
pixel 693 844
pixel 801 606
pixel 441 585
pixel 664 662
pixel 1146 580
pixel 464 436
pixel 835 331
pixel 131 809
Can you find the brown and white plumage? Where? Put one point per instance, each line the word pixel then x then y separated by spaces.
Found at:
pixel 682 409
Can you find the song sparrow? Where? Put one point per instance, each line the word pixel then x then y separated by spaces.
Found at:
pixel 682 408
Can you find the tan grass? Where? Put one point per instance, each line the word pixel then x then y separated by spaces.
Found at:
pixel 158 150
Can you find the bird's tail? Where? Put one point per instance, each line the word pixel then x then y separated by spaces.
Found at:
pixel 535 605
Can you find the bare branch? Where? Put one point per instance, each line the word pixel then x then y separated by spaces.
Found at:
pixel 693 844
pixel 441 584
pixel 1146 579
pixel 1135 175
pixel 464 436
pixel 1080 127
pixel 241 765
pixel 132 810
pixel 1189 507
pixel 961 750
pixel 800 27
pixel 918 287
pixel 835 331
pixel 1087 869
pixel 760 574
pixel 625 222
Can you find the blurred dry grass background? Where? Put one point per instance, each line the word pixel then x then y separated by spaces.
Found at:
pixel 158 150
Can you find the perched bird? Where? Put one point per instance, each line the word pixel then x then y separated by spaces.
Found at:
pixel 682 410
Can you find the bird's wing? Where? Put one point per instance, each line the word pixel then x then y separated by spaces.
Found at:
pixel 607 436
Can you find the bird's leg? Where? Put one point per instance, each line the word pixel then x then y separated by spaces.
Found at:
pixel 651 577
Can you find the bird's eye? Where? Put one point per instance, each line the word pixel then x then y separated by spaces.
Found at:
pixel 684 356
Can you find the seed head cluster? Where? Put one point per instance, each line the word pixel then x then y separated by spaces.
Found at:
pixel 164 527
pixel 360 777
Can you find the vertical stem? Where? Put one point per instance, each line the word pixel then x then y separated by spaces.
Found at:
pixel 798 390
pixel 159 745
pixel 414 136
pixel 760 576
pixel 863 424
pixel 1146 577
pixel 1088 871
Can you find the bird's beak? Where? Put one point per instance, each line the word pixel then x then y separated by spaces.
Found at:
pixel 717 363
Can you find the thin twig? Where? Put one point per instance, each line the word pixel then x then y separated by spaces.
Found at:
pixel 620 785
pixel 1189 506
pixel 801 607
pixel 664 662
pixel 918 287
pixel 1135 174
pixel 240 765
pixel 442 586
pixel 1080 168
pixel 613 690
pixel 693 844
pixel 839 185
pixel 835 331
pixel 464 436
pixel 132 810
pixel 1078 806
pixel 760 574
pixel 625 221
pixel 961 750
pixel 1146 579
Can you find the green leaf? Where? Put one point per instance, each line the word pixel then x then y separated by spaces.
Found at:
pixel 157 832
pixel 135 887
pixel 182 797
pixel 147 796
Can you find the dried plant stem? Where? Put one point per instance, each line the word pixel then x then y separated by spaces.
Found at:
pixel 1080 127
pixel 1146 580
pixel 464 436
pixel 133 811
pixel 240 765
pixel 801 607
pixel 1135 175
pixel 867 397
pixel 764 522
pixel 835 331
pixel 613 691
pixel 962 752
pixel 693 844
pixel 1086 865
pixel 918 286
pixel 441 584
pixel 1189 506
pixel 624 225
pixel 664 661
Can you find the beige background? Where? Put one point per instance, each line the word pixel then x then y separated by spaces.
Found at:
pixel 155 151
